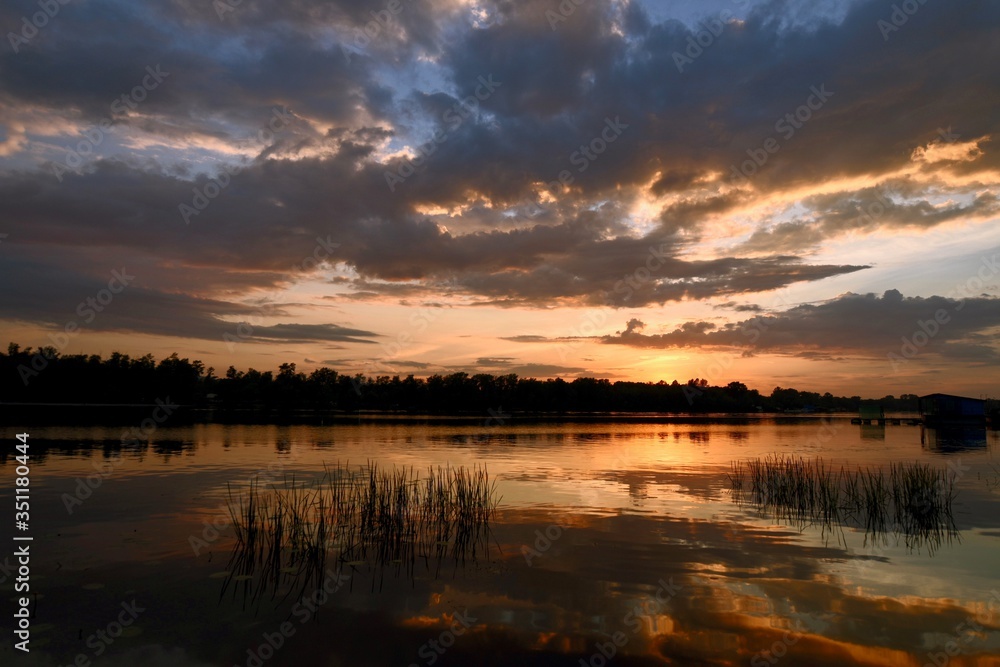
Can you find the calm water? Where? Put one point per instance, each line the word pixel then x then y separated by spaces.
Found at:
pixel 615 543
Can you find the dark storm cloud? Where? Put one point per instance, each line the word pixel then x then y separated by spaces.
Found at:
pixel 888 97
pixel 866 325
pixel 559 91
pixel 93 53
pixel 62 298
pixel 247 228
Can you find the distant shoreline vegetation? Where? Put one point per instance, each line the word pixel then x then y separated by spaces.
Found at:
pixel 45 377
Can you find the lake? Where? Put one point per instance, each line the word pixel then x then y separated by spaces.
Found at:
pixel 616 541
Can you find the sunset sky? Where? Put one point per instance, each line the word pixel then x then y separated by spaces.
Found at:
pixel 789 192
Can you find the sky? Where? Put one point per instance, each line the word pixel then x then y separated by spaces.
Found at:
pixel 777 192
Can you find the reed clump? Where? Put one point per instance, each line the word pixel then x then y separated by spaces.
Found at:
pixel 361 517
pixel 912 499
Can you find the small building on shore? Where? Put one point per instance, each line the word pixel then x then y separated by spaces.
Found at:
pixel 948 409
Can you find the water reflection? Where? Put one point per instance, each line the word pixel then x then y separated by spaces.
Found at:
pixel 396 523
pixel 953 439
pixel 872 431
pixel 606 532
pixel 42 449
pixel 913 502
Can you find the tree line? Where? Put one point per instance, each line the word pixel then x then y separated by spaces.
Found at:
pixel 45 376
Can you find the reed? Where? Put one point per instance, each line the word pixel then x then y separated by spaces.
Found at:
pixel 360 517
pixel 911 499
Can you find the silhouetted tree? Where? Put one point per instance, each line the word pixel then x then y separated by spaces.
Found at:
pixel 46 376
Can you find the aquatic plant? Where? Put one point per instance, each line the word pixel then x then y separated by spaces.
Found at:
pixel 351 518
pixel 994 482
pixel 909 499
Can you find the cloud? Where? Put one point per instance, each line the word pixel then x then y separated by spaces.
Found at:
pixel 119 301
pixel 488 361
pixel 312 333
pixel 899 204
pixel 479 220
pixel 740 307
pixel 418 365
pixel 632 326
pixel 535 370
pixel 852 324
pixel 526 338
